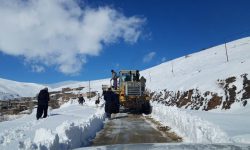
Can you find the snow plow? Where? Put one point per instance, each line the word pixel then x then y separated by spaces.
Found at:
pixel 131 91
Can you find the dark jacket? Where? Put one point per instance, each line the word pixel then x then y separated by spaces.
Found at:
pixel 111 102
pixel 43 97
pixel 114 75
pixel 81 100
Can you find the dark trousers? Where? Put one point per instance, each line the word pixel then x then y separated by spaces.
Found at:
pixel 41 110
pixel 115 84
pixel 108 115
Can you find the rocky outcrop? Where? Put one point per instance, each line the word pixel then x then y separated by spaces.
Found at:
pixel 197 100
pixel 246 89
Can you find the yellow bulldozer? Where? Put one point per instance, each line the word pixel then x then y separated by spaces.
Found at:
pixel 131 91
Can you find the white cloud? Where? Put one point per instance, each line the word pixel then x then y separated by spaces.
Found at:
pixel 60 33
pixel 37 68
pixel 149 57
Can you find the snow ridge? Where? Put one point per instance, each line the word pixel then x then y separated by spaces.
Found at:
pixel 69 135
pixel 192 128
pixel 70 126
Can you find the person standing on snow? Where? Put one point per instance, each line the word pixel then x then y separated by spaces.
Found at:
pixel 43 101
pixel 81 100
pixel 114 78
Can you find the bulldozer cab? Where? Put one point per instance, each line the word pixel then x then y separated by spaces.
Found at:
pixel 126 76
pixel 129 83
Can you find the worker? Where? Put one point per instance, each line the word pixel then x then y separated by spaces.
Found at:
pixel 43 100
pixel 137 76
pixel 81 100
pixel 109 98
pixel 114 78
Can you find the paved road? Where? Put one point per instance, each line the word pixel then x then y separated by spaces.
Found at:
pixel 127 129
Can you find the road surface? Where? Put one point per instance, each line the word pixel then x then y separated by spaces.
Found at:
pixel 126 128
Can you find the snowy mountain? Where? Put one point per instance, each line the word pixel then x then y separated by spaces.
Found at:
pixel 199 81
pixel 201 76
pixel 60 84
pixel 12 89
pixel 204 80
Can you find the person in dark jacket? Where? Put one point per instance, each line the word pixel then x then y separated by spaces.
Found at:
pixel 43 101
pixel 137 76
pixel 111 103
pixel 81 100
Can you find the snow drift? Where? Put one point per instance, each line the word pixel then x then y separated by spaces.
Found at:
pixel 68 127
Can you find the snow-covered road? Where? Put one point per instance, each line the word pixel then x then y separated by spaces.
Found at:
pixel 127 128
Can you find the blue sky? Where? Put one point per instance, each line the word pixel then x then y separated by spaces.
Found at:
pixel 168 30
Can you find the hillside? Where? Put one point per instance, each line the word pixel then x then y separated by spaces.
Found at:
pixel 13 89
pixel 199 81
pixel 202 80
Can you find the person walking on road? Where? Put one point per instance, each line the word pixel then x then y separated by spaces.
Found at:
pixel 43 101
pixel 111 103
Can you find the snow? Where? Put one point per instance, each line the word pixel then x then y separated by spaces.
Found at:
pixel 60 84
pixel 198 70
pixel 95 85
pixel 170 146
pixel 202 69
pixel 203 126
pixel 235 123
pixel 68 127
pixel 73 125
pixel 12 89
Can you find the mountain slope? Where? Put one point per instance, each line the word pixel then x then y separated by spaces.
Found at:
pixel 201 69
pixel 204 71
pixel 205 77
pixel 12 89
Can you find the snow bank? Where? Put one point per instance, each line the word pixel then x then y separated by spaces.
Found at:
pixel 169 146
pixel 192 128
pixel 45 139
pixel 69 135
pixel 68 127
pixel 235 122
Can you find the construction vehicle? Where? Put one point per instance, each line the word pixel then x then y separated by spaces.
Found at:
pixel 131 91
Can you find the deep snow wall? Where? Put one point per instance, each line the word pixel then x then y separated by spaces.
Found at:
pixel 193 129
